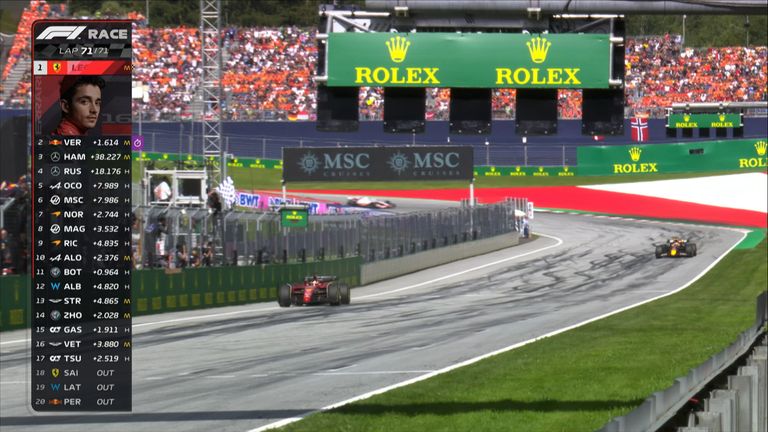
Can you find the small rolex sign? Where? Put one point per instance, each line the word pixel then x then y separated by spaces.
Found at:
pixel 293 216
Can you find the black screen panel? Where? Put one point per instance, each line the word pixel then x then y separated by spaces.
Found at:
pixel 337 109
pixel 536 112
pixel 602 112
pixel 13 148
pixel 404 109
pixel 470 112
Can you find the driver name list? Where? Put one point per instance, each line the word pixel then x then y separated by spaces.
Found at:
pixel 81 150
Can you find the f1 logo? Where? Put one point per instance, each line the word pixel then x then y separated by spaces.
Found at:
pixel 69 32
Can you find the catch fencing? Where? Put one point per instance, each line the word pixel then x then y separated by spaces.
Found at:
pixel 178 237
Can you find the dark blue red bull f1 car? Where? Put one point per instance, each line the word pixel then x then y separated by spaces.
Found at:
pixel 676 247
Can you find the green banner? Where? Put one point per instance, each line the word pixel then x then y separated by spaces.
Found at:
pixel 236 162
pixel 294 218
pixel 746 154
pixel 14 300
pixel 169 290
pixel 691 121
pixel 486 60
pixel 524 171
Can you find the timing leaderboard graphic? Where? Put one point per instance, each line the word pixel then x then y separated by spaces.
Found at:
pixel 81 299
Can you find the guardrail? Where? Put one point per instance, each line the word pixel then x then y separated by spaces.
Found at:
pixel 741 406
pixel 660 407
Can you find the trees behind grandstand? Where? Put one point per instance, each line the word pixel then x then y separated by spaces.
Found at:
pixel 700 30
pixel 171 13
pixel 704 30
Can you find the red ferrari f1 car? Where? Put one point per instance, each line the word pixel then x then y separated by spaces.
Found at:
pixel 314 290
pixel 676 247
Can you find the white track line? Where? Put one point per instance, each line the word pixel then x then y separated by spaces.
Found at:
pixel 284 422
pixel 469 270
pixel 263 309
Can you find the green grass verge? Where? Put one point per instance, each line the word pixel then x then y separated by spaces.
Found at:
pixel 753 239
pixel 267 179
pixel 578 380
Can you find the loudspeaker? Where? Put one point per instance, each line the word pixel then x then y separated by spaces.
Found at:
pixel 687 133
pixel 603 109
pixel 671 133
pixel 536 112
pixel 470 111
pixel 404 109
pixel 337 109
pixel 703 132
pixel 13 148
pixel 721 132
pixel 602 112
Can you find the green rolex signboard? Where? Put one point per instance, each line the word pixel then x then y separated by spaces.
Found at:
pixel 742 154
pixel 524 171
pixel 488 60
pixel 690 121
pixel 294 217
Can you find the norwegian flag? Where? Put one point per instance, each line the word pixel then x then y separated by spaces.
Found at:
pixel 639 128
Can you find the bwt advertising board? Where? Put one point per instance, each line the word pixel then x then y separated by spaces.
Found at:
pixel 378 163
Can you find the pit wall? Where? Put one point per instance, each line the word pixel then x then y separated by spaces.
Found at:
pixel 393 267
pixel 160 290
pixel 172 290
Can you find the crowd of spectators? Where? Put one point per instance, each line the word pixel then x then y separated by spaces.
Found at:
pixel 18 97
pixel 660 71
pixel 269 70
pixel 168 66
pixel 15 200
pixel 267 75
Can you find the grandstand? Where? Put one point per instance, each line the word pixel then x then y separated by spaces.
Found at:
pixel 454 278
pixel 267 74
pixel 267 80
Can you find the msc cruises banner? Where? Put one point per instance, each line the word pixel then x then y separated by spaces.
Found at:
pixel 377 163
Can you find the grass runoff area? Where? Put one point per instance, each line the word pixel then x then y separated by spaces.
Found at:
pixel 578 380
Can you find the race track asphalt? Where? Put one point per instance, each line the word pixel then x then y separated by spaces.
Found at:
pixel 239 368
